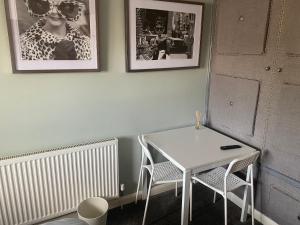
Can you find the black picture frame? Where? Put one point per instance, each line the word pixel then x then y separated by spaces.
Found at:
pixel 163 35
pixel 28 37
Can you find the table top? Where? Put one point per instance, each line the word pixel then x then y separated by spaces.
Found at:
pixel 196 149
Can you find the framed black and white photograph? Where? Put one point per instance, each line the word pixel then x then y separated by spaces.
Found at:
pixel 163 34
pixel 53 35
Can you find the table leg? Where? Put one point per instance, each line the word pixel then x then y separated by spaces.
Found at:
pixel 185 197
pixel 246 199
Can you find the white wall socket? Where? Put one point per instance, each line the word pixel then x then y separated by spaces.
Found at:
pixel 122 187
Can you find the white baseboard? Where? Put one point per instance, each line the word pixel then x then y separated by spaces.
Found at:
pixel 260 217
pixel 123 200
pixel 130 198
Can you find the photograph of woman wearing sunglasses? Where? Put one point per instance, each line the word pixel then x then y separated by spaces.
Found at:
pixel 60 30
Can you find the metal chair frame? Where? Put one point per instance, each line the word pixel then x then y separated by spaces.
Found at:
pixel 234 166
pixel 150 168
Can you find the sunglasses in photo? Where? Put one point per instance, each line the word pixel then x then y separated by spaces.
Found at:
pixel 69 9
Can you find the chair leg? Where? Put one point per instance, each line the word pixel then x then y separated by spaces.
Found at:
pixel 246 198
pixel 191 201
pixel 142 181
pixel 147 201
pixel 252 197
pixel 176 189
pixel 252 204
pixel 138 186
pixel 215 196
pixel 225 210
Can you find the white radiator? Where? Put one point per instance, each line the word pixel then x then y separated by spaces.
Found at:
pixel 40 186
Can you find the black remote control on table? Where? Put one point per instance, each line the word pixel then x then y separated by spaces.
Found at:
pixel 228 147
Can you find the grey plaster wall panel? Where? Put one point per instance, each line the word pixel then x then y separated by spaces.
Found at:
pixel 233 104
pixel 291 33
pixel 285 206
pixel 248 66
pixel 275 64
pixel 283 136
pixel 280 198
pixel 242 26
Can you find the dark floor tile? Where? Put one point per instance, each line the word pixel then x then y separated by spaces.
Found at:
pixel 165 209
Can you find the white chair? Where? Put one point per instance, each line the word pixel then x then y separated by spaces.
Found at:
pixel 160 173
pixel 223 181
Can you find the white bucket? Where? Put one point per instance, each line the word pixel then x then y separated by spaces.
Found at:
pixel 93 211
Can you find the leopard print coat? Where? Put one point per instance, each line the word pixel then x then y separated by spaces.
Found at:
pixel 39 44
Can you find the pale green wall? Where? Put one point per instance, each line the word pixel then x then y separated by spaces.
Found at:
pixel 42 111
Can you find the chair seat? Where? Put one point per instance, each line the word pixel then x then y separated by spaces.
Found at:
pixel 215 179
pixel 165 172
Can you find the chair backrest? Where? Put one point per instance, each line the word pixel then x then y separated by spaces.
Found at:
pixel 145 149
pixel 239 164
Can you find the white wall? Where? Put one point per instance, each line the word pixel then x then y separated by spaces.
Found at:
pixel 42 111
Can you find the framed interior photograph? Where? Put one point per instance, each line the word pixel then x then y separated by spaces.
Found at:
pixel 162 34
pixel 53 35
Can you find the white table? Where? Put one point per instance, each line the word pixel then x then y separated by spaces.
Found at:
pixel 193 151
